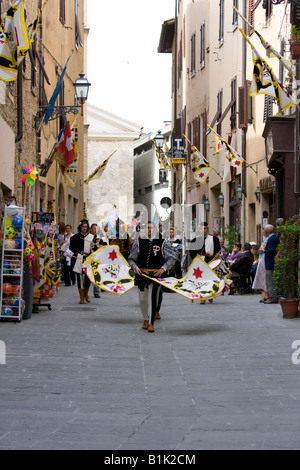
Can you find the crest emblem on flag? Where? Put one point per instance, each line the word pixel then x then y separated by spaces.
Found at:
pixel 109 270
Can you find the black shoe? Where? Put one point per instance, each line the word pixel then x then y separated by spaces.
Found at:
pixel 97 296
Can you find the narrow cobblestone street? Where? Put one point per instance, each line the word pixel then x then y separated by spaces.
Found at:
pixel 214 376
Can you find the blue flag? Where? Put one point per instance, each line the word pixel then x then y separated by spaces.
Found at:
pixel 50 108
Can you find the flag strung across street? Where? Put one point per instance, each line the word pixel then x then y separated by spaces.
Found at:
pixel 99 170
pixel 265 82
pixel 50 108
pixel 270 51
pixel 232 156
pixel 14 41
pixel 107 269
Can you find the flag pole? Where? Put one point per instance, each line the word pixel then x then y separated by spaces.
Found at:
pixel 205 159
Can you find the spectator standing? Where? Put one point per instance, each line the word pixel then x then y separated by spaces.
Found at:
pixel 270 253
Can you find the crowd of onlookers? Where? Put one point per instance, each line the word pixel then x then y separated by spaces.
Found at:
pixel 251 266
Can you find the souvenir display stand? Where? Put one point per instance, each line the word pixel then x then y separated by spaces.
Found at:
pixel 49 265
pixel 12 264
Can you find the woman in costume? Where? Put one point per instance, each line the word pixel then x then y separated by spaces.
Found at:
pixel 82 243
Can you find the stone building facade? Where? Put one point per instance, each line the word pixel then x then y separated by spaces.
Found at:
pixel 62 28
pixel 115 188
pixel 212 69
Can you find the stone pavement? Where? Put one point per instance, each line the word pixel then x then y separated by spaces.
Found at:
pixel 214 376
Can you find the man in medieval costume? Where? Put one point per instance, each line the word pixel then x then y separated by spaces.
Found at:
pixel 152 256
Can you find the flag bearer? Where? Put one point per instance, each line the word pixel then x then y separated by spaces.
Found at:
pixel 152 256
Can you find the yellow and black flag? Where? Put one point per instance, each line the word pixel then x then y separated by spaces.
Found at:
pixel 14 41
pixel 265 82
pixel 99 170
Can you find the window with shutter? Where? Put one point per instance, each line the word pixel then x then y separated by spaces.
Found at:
pixel 62 11
pixel 220 104
pixel 235 18
pixel 193 54
pixel 202 45
pixel 221 22
pixel 233 107
pixel 268 107
pixel 244 106
pixel 269 8
pixel 250 16
pixel 78 39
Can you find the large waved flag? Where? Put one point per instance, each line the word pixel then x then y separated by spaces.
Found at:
pixel 200 282
pixel 99 170
pixel 107 269
pixel 264 80
pixel 14 41
pixel 50 108
pixel 200 168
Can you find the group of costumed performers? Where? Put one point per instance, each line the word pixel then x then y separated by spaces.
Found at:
pixel 152 262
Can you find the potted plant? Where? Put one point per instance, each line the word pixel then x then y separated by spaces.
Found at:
pixel 295 42
pixel 232 235
pixel 286 269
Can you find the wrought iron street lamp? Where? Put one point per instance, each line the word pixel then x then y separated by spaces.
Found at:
pixel 81 86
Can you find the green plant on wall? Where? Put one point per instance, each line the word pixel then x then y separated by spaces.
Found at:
pixel 231 235
pixel 295 35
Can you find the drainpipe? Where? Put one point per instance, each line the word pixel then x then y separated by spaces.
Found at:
pixel 175 94
pixel 244 147
pixel 19 136
pixel 297 150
